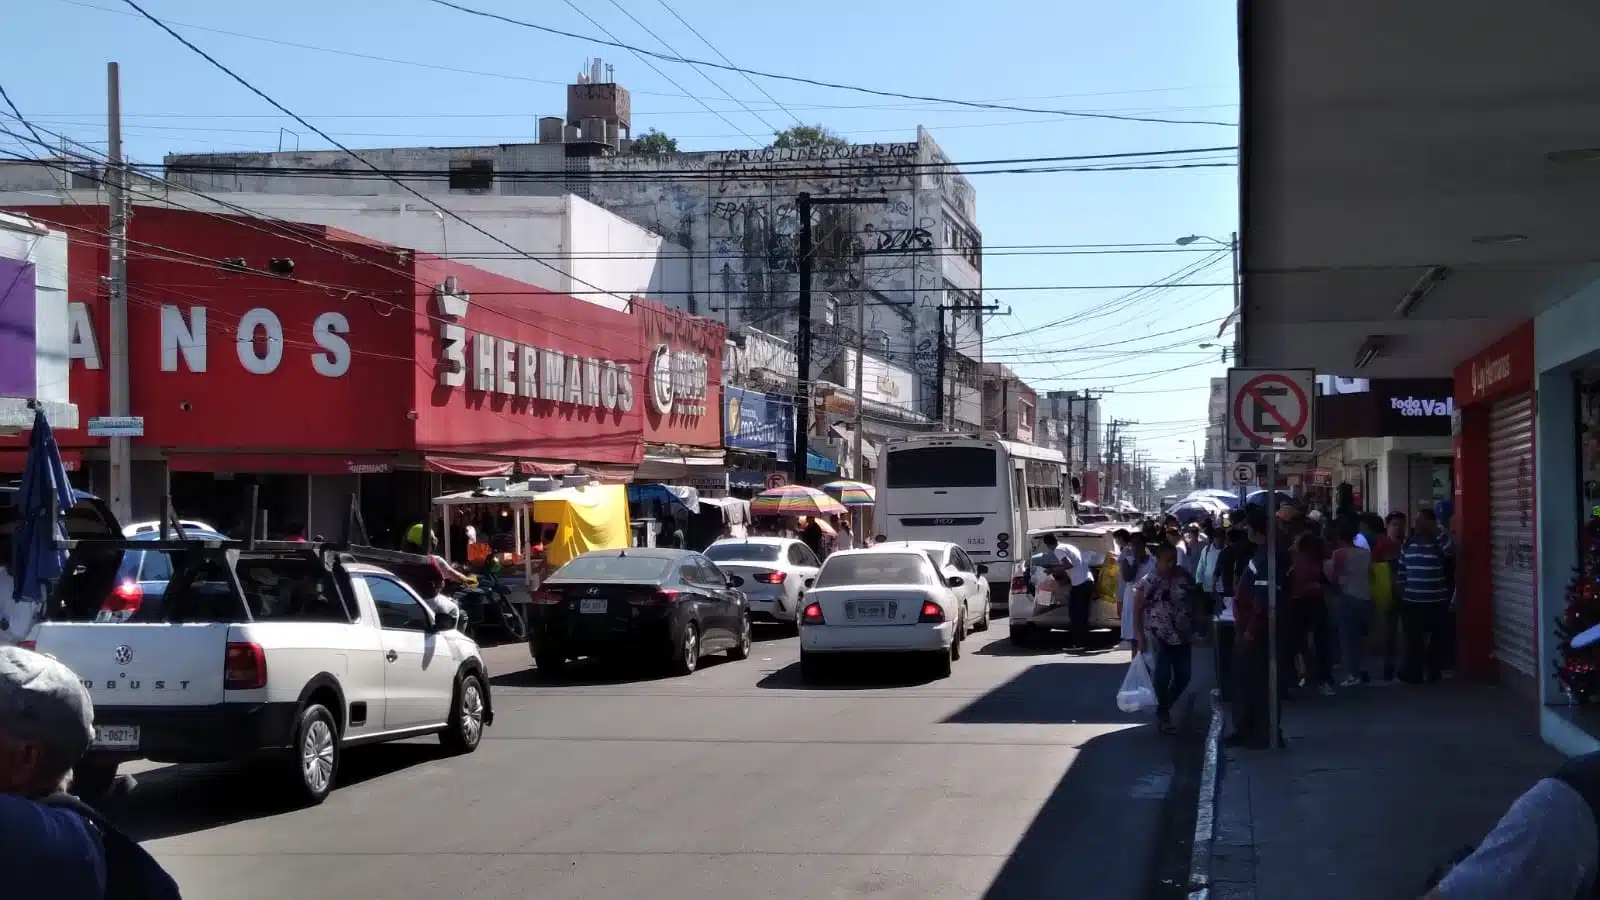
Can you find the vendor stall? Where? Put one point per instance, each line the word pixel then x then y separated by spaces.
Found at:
pixel 527 530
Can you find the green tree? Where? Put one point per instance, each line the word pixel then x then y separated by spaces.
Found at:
pixel 653 143
pixel 807 136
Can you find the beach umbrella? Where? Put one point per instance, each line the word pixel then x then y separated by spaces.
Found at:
pixel 851 493
pixel 795 500
pixel 43 500
pixel 1259 498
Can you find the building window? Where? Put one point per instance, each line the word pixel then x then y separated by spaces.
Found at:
pixel 472 175
pixel 963 241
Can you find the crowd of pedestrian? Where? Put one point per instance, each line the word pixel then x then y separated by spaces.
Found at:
pixel 1350 586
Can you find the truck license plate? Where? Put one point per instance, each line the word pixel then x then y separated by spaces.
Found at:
pixel 116 737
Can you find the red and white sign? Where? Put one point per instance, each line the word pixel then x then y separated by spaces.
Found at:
pixel 682 378
pixel 1271 409
pixel 1501 369
pixel 365 353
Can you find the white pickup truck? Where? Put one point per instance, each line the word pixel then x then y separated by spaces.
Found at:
pixel 287 653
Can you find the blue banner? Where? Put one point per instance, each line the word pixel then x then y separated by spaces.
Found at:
pixel 757 422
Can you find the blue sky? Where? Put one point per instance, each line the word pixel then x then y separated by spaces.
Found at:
pixel 1156 58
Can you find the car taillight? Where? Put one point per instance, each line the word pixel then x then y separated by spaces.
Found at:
pixel 30 645
pixel 126 597
pixel 931 612
pixel 544 598
pixel 663 597
pixel 245 667
pixel 772 577
pixel 1019 584
pixel 812 614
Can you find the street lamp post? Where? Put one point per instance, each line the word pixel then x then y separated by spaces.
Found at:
pixel 1232 244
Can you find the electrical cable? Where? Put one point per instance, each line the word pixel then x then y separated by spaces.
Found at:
pixel 722 56
pixel 291 114
pixel 811 81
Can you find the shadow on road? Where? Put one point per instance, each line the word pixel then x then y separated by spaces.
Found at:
pixel 1122 816
pixel 763 634
pixel 1052 643
pixel 184 799
pixel 852 674
pixel 1064 693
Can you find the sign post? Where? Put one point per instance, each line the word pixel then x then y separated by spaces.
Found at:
pixel 1272 412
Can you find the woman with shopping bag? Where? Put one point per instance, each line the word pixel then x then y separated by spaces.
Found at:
pixel 1165 630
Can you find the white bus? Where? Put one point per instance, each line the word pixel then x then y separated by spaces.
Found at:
pixel 979 492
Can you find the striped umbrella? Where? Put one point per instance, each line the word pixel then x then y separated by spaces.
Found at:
pixel 795 500
pixel 851 493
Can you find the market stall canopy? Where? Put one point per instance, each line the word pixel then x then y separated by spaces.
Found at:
pixel 1188 511
pixel 795 500
pixel 1229 499
pixel 665 494
pixel 851 493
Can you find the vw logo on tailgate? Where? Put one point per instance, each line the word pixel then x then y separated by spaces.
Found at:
pixel 123 654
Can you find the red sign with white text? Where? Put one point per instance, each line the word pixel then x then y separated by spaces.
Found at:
pixel 1504 367
pixel 344 356
pixel 682 383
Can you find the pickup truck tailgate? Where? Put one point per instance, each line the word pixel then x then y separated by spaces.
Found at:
pixel 135 664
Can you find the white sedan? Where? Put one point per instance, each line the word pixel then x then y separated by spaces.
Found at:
pixel 952 561
pixel 886 599
pixel 774 569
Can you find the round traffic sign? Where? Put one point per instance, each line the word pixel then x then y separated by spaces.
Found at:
pixel 1292 422
pixel 1244 473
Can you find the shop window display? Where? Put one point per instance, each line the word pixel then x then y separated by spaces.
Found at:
pixel 1578 669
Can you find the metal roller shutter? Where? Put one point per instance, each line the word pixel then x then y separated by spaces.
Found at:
pixel 1511 531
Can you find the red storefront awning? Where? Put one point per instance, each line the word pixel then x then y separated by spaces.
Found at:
pixel 283 463
pixel 13 461
pixel 548 469
pixel 467 467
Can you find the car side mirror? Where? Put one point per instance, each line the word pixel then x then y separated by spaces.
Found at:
pixel 735 581
pixel 955 581
pixel 983 570
pixel 809 582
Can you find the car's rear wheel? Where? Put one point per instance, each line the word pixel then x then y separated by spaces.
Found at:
pixel 983 623
pixel 741 647
pixel 688 650
pixel 465 730
pixel 550 662
pixel 1021 635
pixel 942 662
pixel 92 780
pixel 315 761
pixel 961 635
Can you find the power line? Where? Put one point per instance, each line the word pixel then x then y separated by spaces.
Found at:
pixel 812 81
pixel 654 68
pixel 722 56
pixel 291 114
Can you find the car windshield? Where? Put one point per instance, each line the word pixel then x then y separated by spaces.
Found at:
pixel 613 567
pixel 874 568
pixel 743 551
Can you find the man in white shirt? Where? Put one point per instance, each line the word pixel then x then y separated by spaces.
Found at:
pixel 1071 570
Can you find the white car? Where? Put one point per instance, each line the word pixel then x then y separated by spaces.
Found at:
pixel 284 653
pixel 774 569
pixel 887 599
pixel 951 560
pixel 1033 615
pixel 152 527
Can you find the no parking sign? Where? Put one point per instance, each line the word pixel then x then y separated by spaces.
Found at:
pixel 1272 409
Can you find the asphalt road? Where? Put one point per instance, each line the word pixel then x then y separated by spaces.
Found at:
pixel 1016 777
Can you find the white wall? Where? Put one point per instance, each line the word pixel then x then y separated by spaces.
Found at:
pixel 606 247
pixel 569 235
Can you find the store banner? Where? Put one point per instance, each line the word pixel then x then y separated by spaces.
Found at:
pixel 757 423
pixel 1388 407
pixel 1501 369
pixel 18 313
pixel 681 382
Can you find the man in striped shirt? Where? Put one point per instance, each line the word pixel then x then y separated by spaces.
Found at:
pixel 1427 589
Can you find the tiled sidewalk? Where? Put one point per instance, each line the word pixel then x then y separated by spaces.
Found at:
pixel 1378 786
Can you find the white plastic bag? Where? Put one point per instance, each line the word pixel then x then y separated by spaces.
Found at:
pixel 1138 692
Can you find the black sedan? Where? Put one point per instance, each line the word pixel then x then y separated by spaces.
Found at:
pixel 674 606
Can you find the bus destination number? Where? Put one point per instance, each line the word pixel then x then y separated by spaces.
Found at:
pixel 976 542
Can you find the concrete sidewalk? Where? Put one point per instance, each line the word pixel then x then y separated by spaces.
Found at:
pixel 1378 785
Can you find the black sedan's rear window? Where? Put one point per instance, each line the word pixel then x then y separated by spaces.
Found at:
pixel 606 567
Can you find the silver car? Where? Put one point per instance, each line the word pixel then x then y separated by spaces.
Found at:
pixel 774 569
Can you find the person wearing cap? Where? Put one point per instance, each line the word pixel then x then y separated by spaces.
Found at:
pixel 46 723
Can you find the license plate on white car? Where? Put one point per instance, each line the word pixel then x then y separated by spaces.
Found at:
pixel 594 606
pixel 869 609
pixel 116 737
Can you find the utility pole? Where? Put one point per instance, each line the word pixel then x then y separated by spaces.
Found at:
pixel 803 204
pixel 121 449
pixel 942 347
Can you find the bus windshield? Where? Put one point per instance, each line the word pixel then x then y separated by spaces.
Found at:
pixel 941 467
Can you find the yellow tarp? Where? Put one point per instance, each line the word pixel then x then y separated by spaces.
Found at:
pixel 587 518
